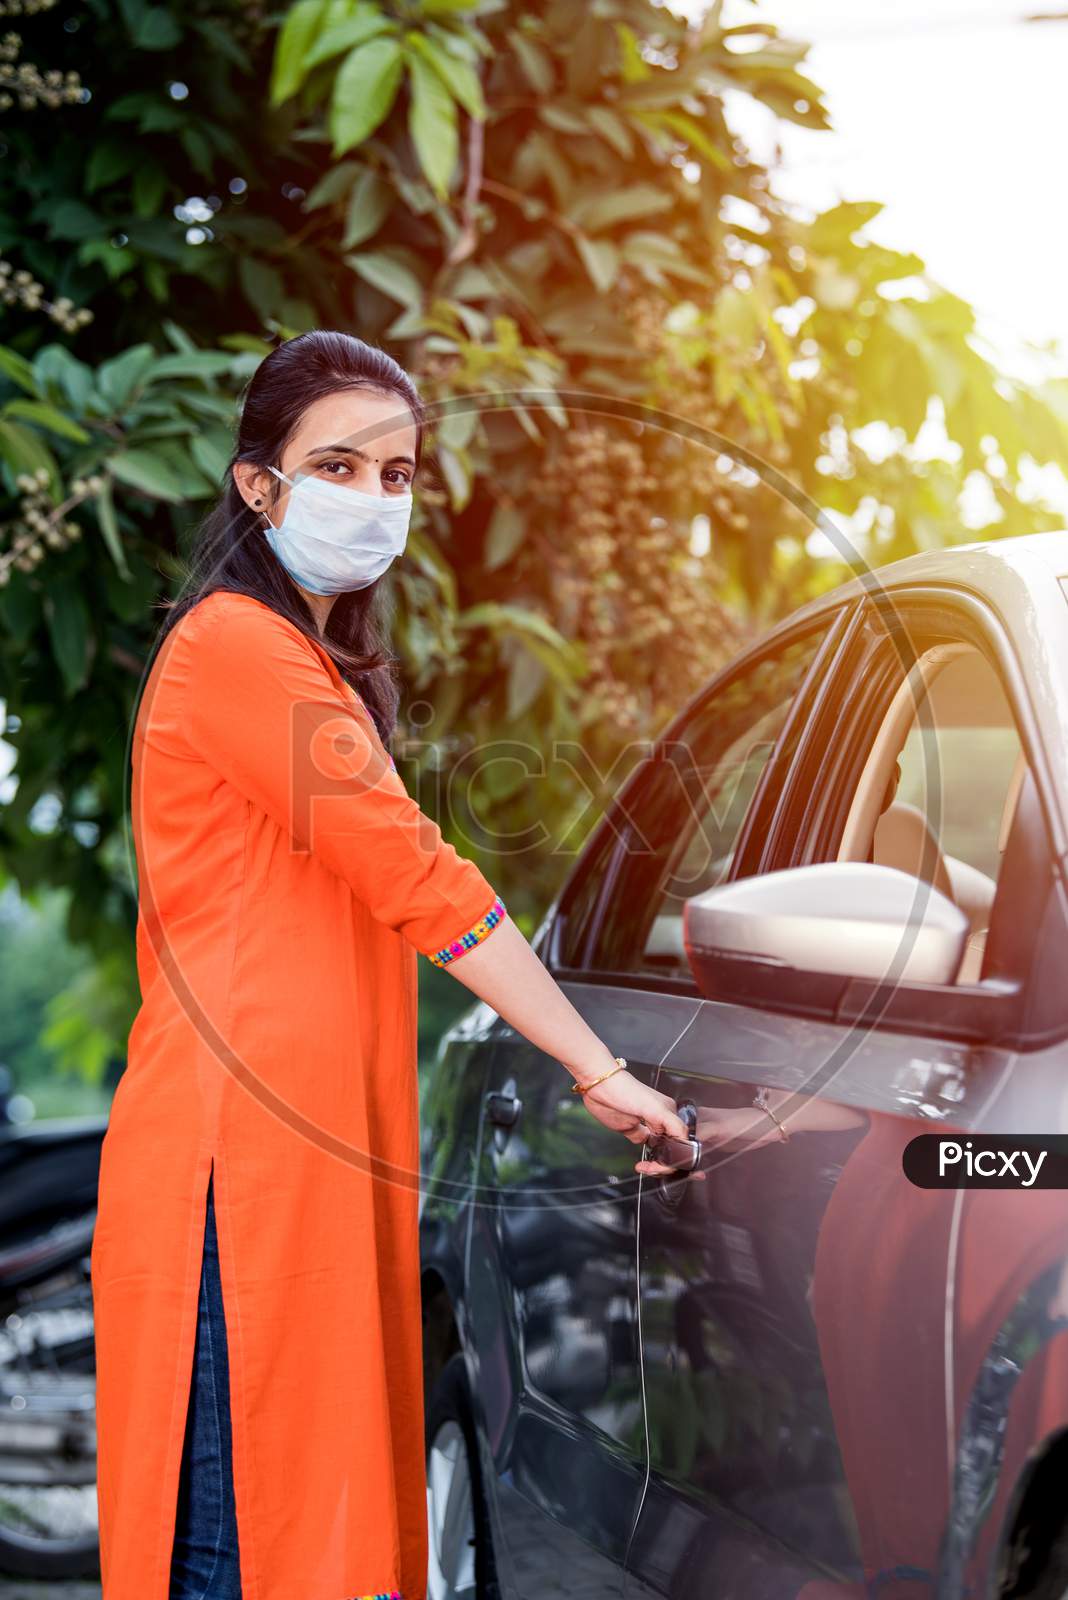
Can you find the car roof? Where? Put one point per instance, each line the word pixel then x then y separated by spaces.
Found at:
pixel 982 567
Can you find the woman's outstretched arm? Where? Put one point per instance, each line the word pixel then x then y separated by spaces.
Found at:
pixel 261 709
pixel 505 972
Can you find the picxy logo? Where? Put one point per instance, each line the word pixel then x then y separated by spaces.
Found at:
pixel 987 1161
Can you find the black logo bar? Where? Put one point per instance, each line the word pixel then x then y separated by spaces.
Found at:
pixel 987 1161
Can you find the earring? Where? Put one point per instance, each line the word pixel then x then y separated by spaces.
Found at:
pixel 257 502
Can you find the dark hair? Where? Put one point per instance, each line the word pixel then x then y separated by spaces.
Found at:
pixel 229 553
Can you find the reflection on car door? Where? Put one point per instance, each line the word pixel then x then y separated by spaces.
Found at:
pixel 552 1290
pixel 794 1295
pixel 551 1298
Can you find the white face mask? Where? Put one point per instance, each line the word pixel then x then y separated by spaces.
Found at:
pixel 335 538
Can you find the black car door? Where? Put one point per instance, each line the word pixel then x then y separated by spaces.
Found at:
pixel 794 1292
pixel 551 1284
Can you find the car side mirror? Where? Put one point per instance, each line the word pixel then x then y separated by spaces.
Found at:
pixel 795 938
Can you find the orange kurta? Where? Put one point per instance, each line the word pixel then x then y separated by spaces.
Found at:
pixel 286 881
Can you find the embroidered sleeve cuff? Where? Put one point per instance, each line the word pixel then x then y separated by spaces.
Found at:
pixel 473 935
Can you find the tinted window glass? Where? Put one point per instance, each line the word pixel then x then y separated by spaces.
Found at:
pixel 687 817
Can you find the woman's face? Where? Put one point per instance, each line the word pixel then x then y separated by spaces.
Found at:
pixel 336 439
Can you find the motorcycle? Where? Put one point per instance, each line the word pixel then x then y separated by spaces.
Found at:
pixel 48 1185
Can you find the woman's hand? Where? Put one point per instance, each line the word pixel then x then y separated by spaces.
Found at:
pixel 724 1128
pixel 633 1109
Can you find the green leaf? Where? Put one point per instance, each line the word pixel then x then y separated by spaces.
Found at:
pixel 835 291
pixel 535 63
pixel 601 260
pixel 20 608
pixel 119 379
pixel 26 451
pixel 334 186
pixel 662 253
pixel 458 428
pixel 62 378
pixel 148 473
pixel 109 528
pixel 368 23
pixel 835 227
pixel 220 407
pixel 263 286
pixel 47 416
pixel 600 210
pixel 612 129
pixel 197 146
pixel 110 161
pixel 116 263
pixel 18 369
pixel 389 274
pixel 364 91
pixel 157 281
pixel 457 471
pixel 633 67
pixel 169 427
pixel 564 668
pixel 157 30
pixel 129 107
pixel 163 116
pixel 68 626
pixel 130 11
pixel 149 187
pixel 515 619
pixel 526 677
pixel 473 282
pixel 562 118
pixel 432 124
pixel 458 76
pixel 299 32
pixel 211 452
pixel 70 219
pixel 197 364
pixel 132 595
pixel 689 129
pixel 369 205
pixel 408 324
pixel 222 42
pixel 504 535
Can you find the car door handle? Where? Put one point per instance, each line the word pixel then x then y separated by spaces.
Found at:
pixel 503 1108
pixel 672 1186
pixel 670 1151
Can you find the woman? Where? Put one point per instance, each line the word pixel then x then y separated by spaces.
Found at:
pixel 262 1151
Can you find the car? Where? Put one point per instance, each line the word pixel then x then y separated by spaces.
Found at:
pixel 835 887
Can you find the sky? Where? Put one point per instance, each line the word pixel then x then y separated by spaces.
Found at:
pixel 954 113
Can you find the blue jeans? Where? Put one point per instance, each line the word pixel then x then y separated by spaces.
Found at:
pixel 204 1562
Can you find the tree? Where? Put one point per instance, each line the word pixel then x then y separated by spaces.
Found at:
pixel 546 199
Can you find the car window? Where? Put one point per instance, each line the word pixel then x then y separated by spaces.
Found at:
pixel 960 783
pixel 578 904
pixel 937 792
pixel 688 815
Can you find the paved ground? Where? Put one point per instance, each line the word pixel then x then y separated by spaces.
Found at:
pixel 20 1589
pixel 571 1572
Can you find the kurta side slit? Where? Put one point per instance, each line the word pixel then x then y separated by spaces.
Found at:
pixel 204 1559
pixel 286 883
pixel 184 1353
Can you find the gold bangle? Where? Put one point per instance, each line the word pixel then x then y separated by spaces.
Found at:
pixel 580 1088
pixel 760 1101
